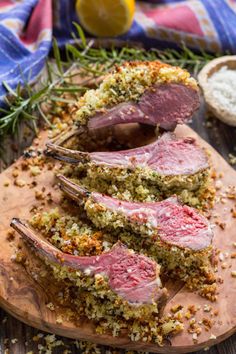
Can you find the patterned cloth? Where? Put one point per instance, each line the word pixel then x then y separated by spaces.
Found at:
pixel 27 26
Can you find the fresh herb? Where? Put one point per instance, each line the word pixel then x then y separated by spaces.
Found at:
pixel 24 104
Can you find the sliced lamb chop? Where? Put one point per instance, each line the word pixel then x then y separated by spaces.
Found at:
pixel 166 167
pixel 163 105
pixel 167 156
pixel 134 277
pixel 167 221
pixel 152 93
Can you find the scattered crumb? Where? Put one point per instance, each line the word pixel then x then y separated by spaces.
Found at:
pixel 233 212
pixel 20 183
pixel 59 320
pixel 47 343
pixel 4 320
pixel 50 343
pixel 226 254
pixel 232 159
pixel 13 258
pixel 51 306
pixel 188 315
pixel 34 170
pixel 207 308
pixel 35 338
pixel 222 225
pixel 207 323
pixel 218 184
pixel 176 308
pixel 224 265
pixel 10 235
pixel 221 257
pixel 38 195
pixel 15 173
pixel 212 336
pixel 233 273
pixel 14 340
pixel 192 309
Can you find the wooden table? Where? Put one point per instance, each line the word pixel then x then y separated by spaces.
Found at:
pixel 20 339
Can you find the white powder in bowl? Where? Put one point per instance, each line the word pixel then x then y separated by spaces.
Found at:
pixel 223 87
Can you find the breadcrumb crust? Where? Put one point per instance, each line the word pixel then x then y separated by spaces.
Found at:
pixel 127 83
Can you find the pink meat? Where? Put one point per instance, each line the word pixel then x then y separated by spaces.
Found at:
pixel 126 112
pixel 166 156
pixel 132 276
pixel 164 105
pixel 176 224
pixel 169 104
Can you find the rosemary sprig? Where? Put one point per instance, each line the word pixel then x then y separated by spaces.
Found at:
pixel 20 107
pixel 24 104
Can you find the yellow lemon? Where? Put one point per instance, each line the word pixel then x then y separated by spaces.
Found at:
pixel 106 18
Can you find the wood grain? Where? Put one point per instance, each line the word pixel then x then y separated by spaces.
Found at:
pixel 26 299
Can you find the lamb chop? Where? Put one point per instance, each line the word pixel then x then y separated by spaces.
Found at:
pixel 125 286
pixel 179 236
pixel 167 156
pixel 151 93
pixel 168 220
pixel 135 278
pixel 167 166
pixel 118 286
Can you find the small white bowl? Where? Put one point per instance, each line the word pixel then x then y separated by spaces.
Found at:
pixel 213 66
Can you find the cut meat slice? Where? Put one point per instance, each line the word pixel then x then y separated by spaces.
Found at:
pixel 133 277
pixel 163 105
pixel 152 93
pixel 166 167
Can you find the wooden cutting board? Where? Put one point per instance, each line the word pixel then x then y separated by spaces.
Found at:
pixel 26 296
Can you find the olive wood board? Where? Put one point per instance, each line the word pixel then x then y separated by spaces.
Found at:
pixel 25 297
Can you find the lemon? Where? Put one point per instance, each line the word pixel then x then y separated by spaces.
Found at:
pixel 106 18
